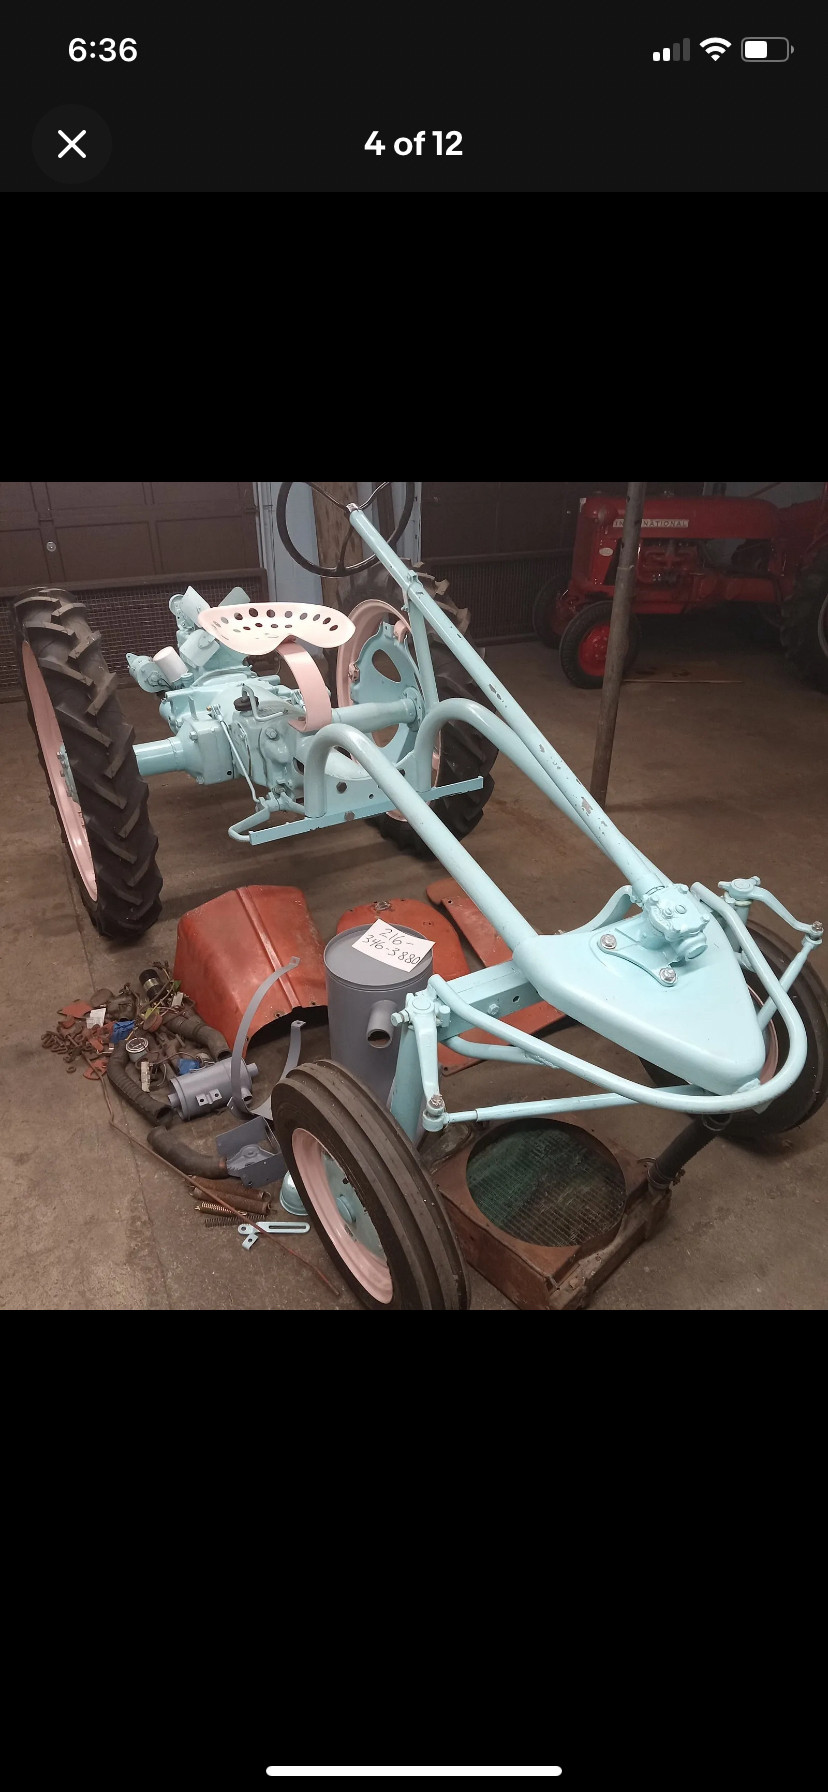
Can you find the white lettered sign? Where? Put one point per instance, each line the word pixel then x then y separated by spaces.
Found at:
pixel 391 946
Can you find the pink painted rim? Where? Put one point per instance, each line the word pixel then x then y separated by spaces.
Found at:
pixel 372 1275
pixel 51 741
pixel 366 618
pixel 772 1050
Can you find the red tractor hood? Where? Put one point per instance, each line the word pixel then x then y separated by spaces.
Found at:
pixel 705 519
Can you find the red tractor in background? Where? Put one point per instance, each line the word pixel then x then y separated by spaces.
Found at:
pixel 773 559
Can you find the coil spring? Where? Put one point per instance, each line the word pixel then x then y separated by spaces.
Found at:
pixel 221 1219
pixel 212 1207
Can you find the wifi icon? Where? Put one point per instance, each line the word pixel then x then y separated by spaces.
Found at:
pixel 715 46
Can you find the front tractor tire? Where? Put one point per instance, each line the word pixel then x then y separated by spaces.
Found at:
pixel 805 623
pixel 85 746
pixel 367 1193
pixel 807 1095
pixel 584 642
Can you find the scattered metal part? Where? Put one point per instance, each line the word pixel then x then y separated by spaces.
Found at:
pixel 276 1226
pixel 211 1087
pixel 219 1219
pixel 77 1042
pixel 290 1198
pixel 240 1204
pixel 249 1233
pixel 249 1154
pixel 137 1047
pixel 75 1010
pixel 282 1246
pixel 154 984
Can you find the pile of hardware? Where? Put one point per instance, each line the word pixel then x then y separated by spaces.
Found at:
pixel 155 1023
pixel 147 1040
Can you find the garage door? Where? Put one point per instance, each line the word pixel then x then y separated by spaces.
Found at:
pixel 125 547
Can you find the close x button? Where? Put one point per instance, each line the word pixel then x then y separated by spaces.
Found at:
pixel 72 144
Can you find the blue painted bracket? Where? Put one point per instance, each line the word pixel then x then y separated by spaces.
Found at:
pixel 244 830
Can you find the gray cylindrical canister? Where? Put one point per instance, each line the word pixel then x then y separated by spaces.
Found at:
pixel 210 1087
pixel 363 994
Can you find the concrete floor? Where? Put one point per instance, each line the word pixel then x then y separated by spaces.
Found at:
pixel 720 770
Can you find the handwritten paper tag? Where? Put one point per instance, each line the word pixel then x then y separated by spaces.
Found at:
pixel 391 946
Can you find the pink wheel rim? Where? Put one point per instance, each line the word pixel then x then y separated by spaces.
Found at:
pixel 772 1046
pixel 366 619
pixel 370 1271
pixel 51 742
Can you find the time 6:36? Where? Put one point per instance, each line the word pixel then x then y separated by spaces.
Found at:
pixel 105 50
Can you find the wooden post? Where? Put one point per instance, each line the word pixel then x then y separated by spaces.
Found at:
pixel 618 637
pixel 332 530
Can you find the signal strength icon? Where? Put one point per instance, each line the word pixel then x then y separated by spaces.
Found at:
pixel 680 52
pixel 715 46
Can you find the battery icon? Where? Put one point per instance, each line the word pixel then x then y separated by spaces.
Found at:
pixel 766 49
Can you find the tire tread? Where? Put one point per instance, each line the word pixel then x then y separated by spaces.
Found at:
pixel 323 1096
pixel 99 744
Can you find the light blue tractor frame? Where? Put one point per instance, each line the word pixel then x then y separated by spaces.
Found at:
pixel 659 970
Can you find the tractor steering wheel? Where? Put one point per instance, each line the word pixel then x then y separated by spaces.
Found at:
pixel 341 571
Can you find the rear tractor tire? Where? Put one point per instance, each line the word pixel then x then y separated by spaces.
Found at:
pixel 545 615
pixel 463 754
pixel 85 746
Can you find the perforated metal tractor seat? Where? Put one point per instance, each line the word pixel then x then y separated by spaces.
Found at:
pixel 259 628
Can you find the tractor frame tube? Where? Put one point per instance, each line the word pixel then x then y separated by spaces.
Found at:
pixel 639 871
pixel 508 920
